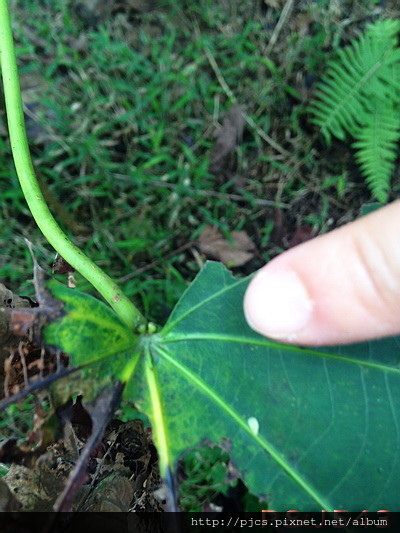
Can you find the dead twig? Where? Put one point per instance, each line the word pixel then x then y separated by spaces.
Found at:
pixel 286 11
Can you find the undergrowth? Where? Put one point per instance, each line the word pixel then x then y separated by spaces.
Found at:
pixel 122 113
pixel 122 116
pixel 359 96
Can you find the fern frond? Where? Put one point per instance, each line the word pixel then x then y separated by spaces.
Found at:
pixel 369 66
pixel 376 147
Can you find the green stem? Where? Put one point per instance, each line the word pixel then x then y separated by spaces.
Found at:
pixel 124 308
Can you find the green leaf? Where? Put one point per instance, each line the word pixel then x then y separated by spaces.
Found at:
pixel 94 338
pixel 88 330
pixel 309 429
pixel 376 147
pixel 368 208
pixel 367 67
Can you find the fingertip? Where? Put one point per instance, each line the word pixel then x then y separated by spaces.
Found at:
pixel 339 288
pixel 277 304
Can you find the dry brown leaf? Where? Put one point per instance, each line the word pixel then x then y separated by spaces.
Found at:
pixel 113 494
pixel 8 501
pixel 8 300
pixel 302 233
pixel 227 138
pixel 233 252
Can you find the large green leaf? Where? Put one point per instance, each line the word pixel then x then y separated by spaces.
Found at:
pixel 309 429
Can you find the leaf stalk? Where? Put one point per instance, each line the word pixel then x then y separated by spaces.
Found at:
pixel 123 307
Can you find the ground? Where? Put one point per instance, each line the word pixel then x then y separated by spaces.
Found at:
pixel 166 133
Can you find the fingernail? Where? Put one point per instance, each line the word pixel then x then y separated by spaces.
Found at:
pixel 277 304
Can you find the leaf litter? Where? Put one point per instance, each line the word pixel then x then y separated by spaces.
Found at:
pixel 235 251
pixel 74 456
pixel 229 135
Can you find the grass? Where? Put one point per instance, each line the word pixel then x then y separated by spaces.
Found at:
pixel 122 118
pixel 122 113
pixel 209 478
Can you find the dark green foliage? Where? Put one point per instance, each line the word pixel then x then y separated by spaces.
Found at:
pixel 277 409
pixel 129 114
pixel 359 95
pixel 206 473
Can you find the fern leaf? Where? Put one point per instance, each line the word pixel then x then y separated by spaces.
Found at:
pixel 367 67
pixel 376 147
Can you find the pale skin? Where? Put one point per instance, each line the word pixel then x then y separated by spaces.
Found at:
pixel 339 288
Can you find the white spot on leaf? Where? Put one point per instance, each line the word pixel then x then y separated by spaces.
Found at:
pixel 253 425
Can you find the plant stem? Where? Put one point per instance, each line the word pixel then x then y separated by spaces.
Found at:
pixel 123 307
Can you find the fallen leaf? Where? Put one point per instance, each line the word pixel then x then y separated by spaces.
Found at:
pixel 8 501
pixel 23 321
pixel 233 252
pixel 61 266
pixel 113 494
pixel 287 235
pixel 22 358
pixel 228 136
pixel 302 234
pixel 8 301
